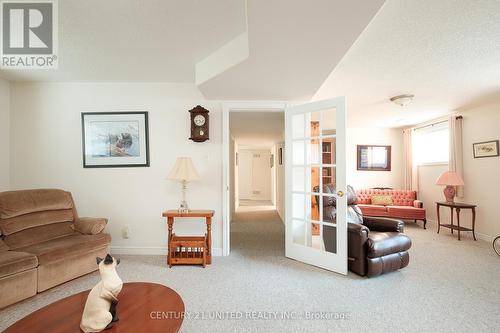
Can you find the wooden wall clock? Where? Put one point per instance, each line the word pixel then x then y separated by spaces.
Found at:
pixel 199 124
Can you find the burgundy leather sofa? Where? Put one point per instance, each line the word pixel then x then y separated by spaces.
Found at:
pixel 375 245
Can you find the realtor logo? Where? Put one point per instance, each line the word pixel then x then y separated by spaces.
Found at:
pixel 29 34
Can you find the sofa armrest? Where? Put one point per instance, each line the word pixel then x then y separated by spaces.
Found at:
pixel 418 204
pixel 90 225
pixel 357 233
pixel 383 224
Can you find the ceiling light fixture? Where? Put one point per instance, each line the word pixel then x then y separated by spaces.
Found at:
pixel 402 100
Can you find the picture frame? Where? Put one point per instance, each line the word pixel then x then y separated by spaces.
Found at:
pixel 373 158
pixel 115 139
pixel 486 149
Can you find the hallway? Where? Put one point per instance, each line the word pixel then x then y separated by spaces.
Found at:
pixel 257 231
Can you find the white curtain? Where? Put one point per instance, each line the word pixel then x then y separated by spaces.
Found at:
pixel 410 168
pixel 456 150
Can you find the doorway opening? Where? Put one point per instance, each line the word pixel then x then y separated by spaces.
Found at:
pixel 254 173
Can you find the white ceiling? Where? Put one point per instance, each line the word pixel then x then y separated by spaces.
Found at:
pixel 131 40
pixel 293 46
pixel 261 129
pixel 445 52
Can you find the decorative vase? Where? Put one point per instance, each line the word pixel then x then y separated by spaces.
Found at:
pixel 449 193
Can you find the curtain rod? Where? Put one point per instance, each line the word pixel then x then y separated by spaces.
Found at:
pixel 436 123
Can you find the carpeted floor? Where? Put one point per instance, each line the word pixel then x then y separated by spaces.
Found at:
pixel 449 286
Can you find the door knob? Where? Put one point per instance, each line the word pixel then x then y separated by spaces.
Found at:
pixel 340 194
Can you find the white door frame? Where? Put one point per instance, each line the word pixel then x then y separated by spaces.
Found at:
pixel 227 107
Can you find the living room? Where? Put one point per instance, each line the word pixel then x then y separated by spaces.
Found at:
pixel 397 99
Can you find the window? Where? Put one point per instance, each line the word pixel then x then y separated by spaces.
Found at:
pixel 431 144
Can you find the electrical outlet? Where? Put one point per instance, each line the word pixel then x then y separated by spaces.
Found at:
pixel 126 232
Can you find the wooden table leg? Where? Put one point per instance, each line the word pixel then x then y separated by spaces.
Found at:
pixel 451 217
pixel 438 216
pixel 209 240
pixel 474 222
pixel 458 221
pixel 170 221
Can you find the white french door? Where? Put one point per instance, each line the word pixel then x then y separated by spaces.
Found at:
pixel 315 141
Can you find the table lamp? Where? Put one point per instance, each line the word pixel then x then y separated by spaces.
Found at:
pixel 184 172
pixel 450 179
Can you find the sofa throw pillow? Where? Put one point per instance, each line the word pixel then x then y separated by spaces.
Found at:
pixel 383 200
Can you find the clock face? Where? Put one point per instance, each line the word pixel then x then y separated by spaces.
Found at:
pixel 199 120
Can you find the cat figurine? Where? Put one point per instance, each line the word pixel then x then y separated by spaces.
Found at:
pixel 100 309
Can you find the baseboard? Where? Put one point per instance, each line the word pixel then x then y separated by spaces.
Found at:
pixel 150 251
pixel 479 235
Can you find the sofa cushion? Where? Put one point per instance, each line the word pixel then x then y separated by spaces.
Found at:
pixel 384 200
pixel 22 222
pixel 373 210
pixel 383 243
pixel 399 197
pixel 406 212
pixel 12 262
pixel 15 203
pixel 38 234
pixel 63 247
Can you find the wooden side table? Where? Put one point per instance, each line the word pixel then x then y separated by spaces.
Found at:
pixel 200 246
pixel 457 206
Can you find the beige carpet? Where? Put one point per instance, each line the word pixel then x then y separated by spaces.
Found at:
pixel 449 286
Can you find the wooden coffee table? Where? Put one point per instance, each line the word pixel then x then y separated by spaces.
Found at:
pixel 142 307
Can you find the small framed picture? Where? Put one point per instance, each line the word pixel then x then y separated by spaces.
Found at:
pixel 486 149
pixel 374 158
pixel 115 139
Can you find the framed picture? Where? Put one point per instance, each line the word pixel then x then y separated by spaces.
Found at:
pixel 486 149
pixel 280 156
pixel 374 158
pixel 115 139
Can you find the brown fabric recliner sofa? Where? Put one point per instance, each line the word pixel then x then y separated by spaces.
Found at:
pixel 44 243
pixel 375 245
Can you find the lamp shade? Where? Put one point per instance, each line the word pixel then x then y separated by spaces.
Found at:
pixel 183 170
pixel 450 178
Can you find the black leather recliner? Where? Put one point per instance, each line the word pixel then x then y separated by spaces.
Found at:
pixel 375 245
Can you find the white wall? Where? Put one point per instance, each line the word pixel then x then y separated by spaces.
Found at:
pixel 254 174
pixel 47 152
pixel 375 136
pixel 4 135
pixel 481 175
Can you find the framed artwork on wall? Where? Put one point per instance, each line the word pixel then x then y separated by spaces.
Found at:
pixel 115 139
pixel 486 149
pixel 373 158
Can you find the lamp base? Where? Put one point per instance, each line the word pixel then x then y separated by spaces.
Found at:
pixel 449 193
pixel 183 208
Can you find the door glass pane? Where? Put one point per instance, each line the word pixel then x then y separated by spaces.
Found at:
pixel 312 207
pixel 328 147
pixel 329 177
pixel 313 152
pixel 329 238
pixel 298 205
pixel 313 128
pixel 298 152
pixel 298 179
pixel 315 240
pixel 298 126
pixel 329 122
pixel 313 179
pixel 299 232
